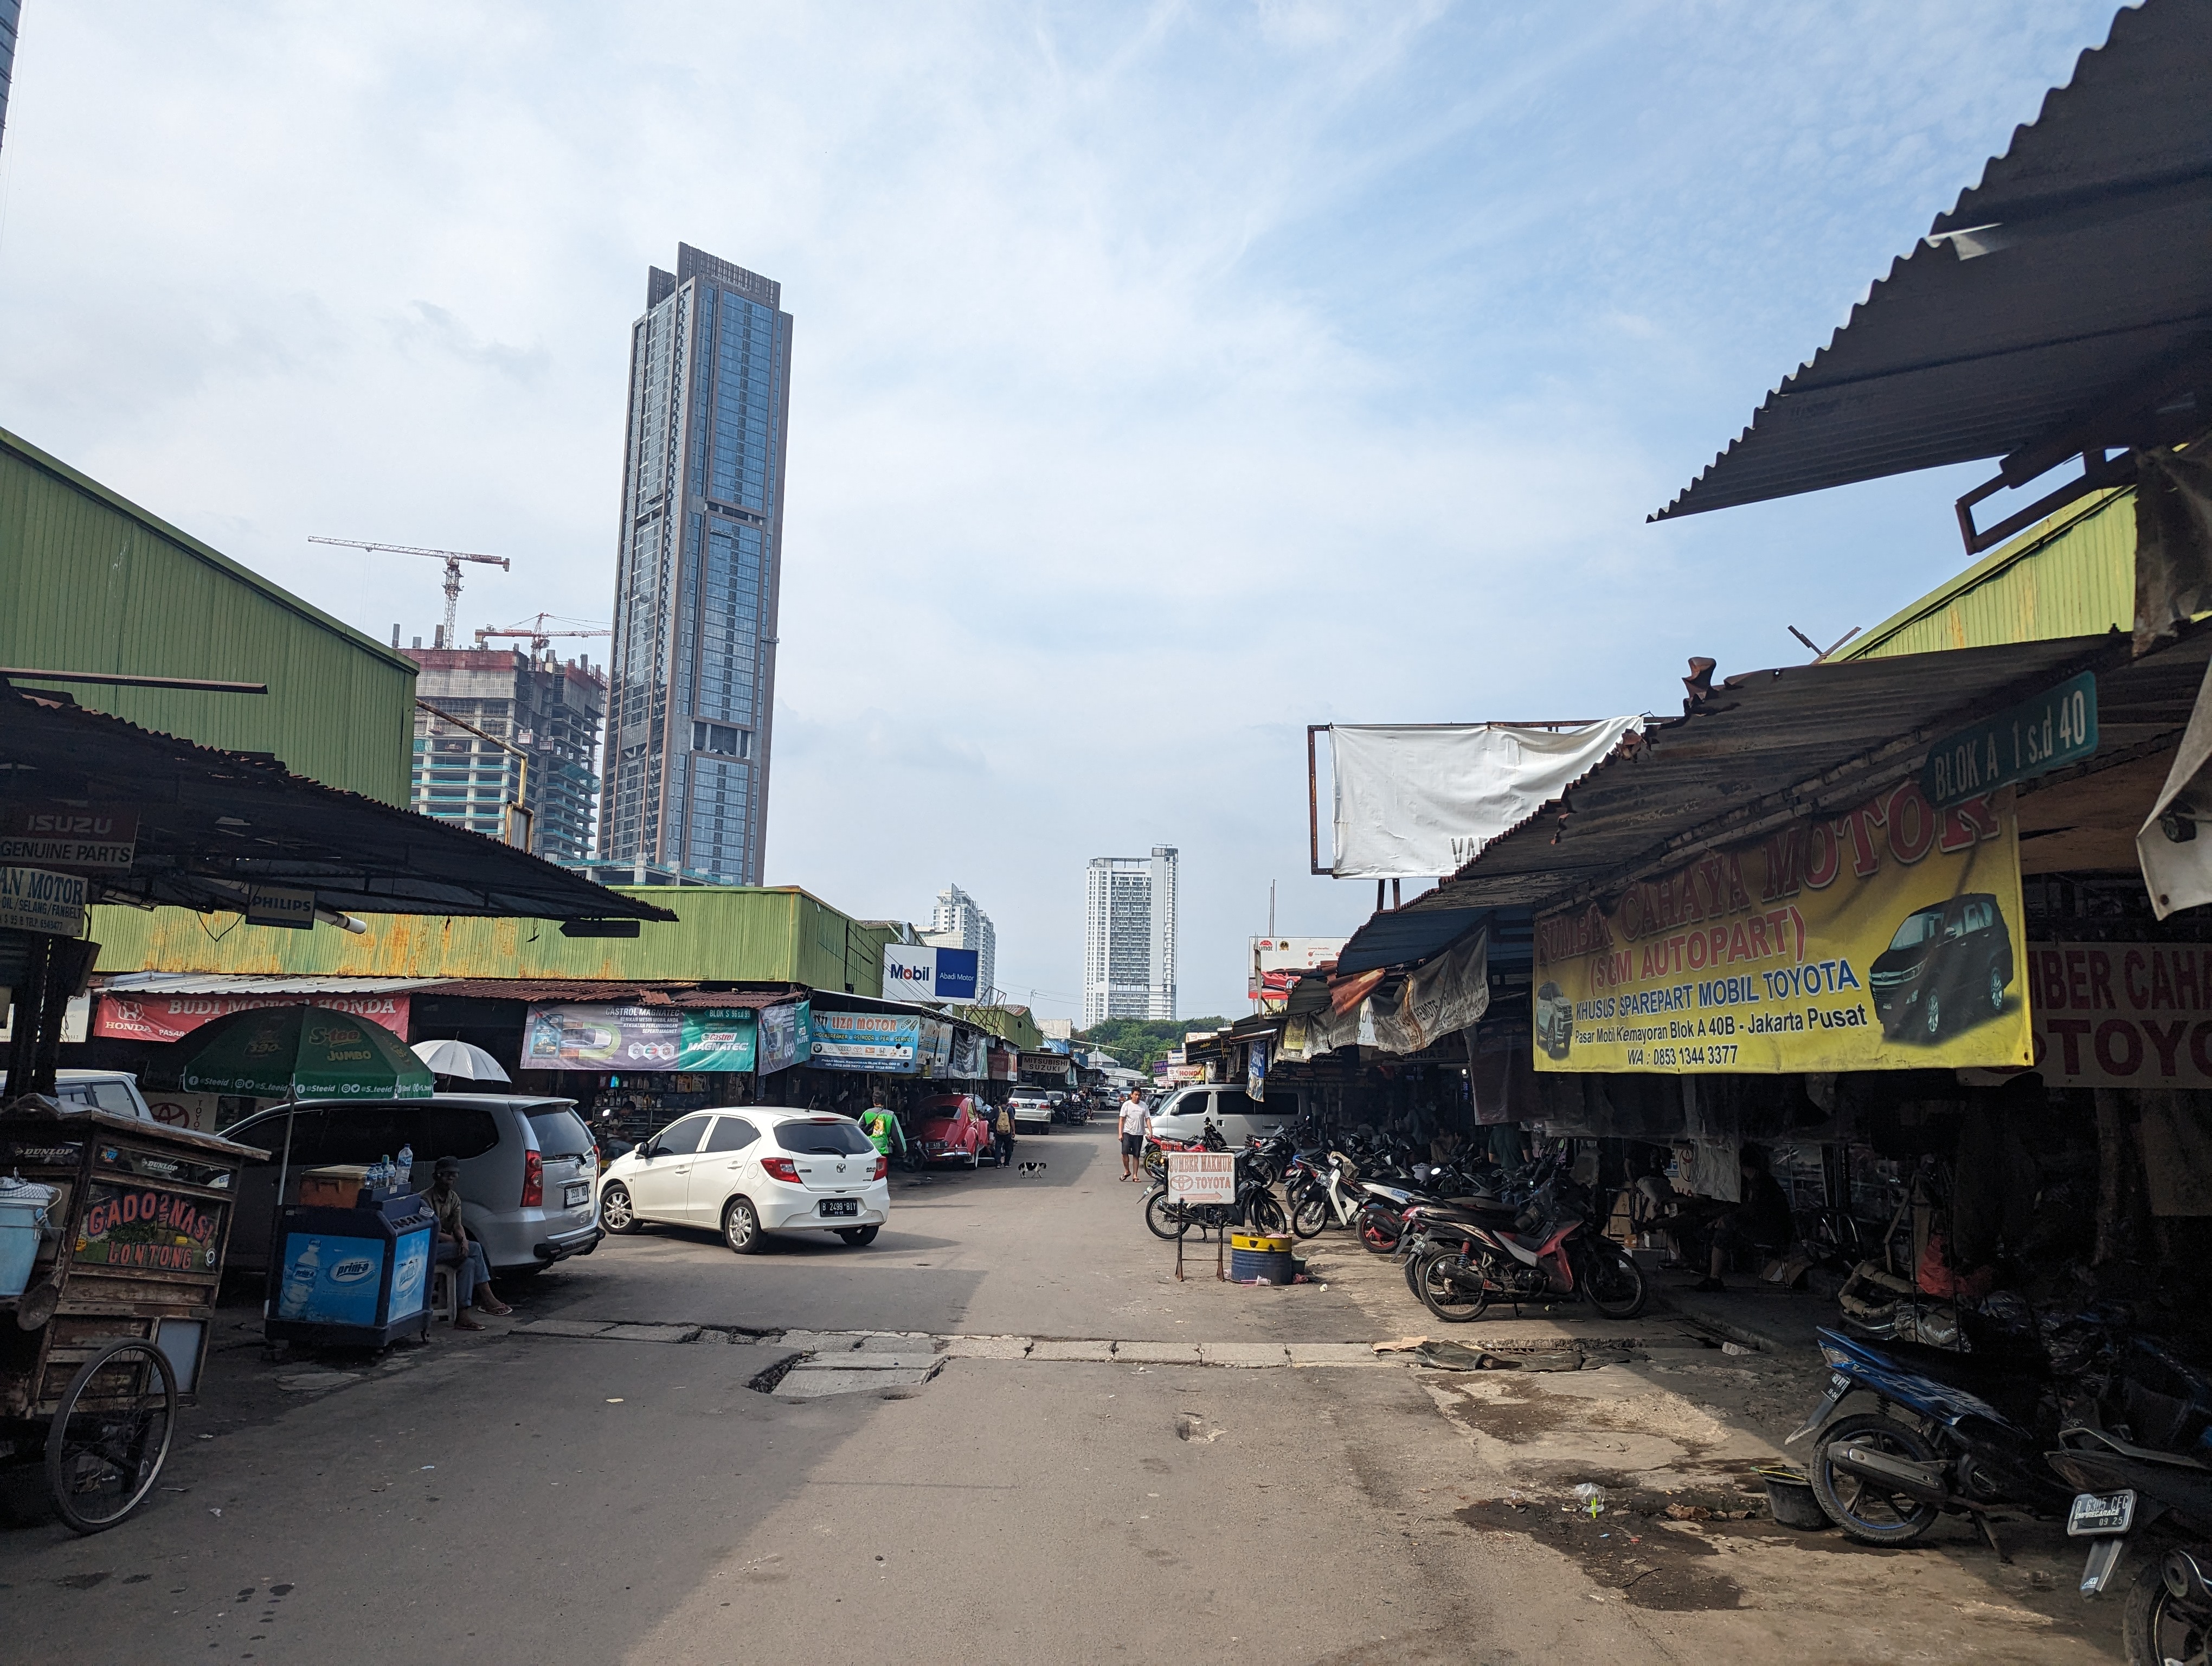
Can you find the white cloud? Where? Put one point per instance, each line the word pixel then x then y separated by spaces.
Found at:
pixel 1166 377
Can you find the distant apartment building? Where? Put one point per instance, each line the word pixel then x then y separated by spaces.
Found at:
pixel 957 923
pixel 548 710
pixel 11 15
pixel 698 573
pixel 1130 905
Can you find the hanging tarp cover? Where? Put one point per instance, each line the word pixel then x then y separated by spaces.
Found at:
pixel 1889 938
pixel 1441 999
pixel 299 1052
pixel 1419 801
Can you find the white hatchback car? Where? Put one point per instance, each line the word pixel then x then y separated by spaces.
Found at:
pixel 751 1170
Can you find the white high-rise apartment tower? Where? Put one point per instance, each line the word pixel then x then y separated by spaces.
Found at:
pixel 1129 937
pixel 957 923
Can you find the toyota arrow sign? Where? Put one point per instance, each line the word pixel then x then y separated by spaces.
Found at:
pixel 915 972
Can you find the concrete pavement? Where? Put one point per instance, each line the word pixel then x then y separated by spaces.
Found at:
pixel 1033 1461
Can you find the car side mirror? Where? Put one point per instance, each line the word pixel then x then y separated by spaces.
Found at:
pixel 645 1150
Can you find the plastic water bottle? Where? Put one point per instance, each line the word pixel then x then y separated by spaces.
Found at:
pixel 403 1178
pixel 299 1281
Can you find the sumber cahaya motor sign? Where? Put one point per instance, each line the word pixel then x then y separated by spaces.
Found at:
pixel 1886 938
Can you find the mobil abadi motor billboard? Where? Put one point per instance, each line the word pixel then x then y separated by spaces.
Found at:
pixel 916 971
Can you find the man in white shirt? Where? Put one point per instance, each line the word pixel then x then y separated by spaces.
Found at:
pixel 1132 1134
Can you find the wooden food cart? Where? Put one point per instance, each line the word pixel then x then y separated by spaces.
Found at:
pixel 109 1336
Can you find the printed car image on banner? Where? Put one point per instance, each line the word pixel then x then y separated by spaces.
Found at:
pixel 1886 938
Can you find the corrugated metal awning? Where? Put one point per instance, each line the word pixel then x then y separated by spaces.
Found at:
pixel 203 983
pixel 1770 746
pixel 2077 274
pixel 213 823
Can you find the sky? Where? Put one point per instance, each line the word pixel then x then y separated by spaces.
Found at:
pixel 1166 378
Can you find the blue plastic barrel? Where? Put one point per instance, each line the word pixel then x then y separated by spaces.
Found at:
pixel 22 1215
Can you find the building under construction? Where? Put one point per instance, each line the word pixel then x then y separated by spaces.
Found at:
pixel 515 728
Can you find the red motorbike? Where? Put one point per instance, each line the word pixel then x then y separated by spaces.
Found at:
pixel 1551 1250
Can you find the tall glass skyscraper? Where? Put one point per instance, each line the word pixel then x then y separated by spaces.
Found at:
pixel 692 678
pixel 1131 911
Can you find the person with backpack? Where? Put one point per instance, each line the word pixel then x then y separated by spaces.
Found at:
pixel 1002 1135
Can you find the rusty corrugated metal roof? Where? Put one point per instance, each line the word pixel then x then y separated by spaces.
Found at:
pixel 2079 266
pixel 1770 745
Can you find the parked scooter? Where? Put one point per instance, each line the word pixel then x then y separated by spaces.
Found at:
pixel 1550 1248
pixel 1939 1445
pixel 2162 1503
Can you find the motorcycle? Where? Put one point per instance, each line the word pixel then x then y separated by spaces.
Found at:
pixel 1549 1249
pixel 1941 1445
pixel 1324 1193
pixel 2128 1491
pixel 1256 1208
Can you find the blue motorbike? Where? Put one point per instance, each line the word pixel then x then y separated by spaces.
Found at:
pixel 1939 1442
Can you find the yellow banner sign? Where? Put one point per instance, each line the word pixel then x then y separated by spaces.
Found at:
pixel 1889 938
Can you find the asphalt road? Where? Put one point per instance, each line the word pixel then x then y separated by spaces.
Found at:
pixel 515 1496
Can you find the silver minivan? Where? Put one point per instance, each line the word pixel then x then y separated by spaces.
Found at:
pixel 529 1168
pixel 1235 1112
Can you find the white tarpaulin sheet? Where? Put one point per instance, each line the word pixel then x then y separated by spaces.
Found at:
pixel 2177 872
pixel 1416 802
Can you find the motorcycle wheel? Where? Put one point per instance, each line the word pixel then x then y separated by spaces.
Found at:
pixel 1266 1214
pixel 1615 1283
pixel 1863 1511
pixel 1166 1219
pixel 2155 1625
pixel 1310 1214
pixel 1453 1303
pixel 1374 1237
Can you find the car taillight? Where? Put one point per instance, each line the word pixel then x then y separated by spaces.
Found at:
pixel 782 1168
pixel 883 1167
pixel 533 1180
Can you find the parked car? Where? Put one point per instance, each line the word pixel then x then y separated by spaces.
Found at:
pixel 1032 1109
pixel 1947 967
pixel 102 1089
pixel 1235 1112
pixel 752 1171
pixel 528 1168
pixel 953 1128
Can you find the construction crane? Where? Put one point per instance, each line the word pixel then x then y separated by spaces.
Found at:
pixel 453 558
pixel 538 630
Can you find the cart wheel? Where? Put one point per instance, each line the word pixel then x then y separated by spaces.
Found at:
pixel 110 1434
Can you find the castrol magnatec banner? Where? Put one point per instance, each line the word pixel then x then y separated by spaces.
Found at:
pixel 1888 938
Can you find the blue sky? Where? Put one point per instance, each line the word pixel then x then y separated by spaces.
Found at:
pixel 1166 378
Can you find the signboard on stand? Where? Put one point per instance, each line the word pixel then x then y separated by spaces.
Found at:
pixel 1201 1177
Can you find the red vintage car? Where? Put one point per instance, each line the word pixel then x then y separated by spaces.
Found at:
pixel 953 1128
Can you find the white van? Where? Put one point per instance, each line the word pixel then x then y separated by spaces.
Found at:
pixel 1235 1112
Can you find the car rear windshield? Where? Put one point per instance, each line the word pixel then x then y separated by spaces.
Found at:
pixel 826 1139
pixel 561 1132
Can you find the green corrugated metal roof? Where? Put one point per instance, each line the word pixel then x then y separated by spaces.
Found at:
pixel 97 584
pixel 2071 576
pixel 725 933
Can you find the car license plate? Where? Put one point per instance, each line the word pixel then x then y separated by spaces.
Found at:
pixel 2095 1514
pixel 575 1193
pixel 841 1206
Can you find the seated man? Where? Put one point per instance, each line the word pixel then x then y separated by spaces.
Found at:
pixel 1760 1220
pixel 456 1249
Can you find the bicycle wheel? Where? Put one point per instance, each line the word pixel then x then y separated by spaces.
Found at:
pixel 1450 1286
pixel 1166 1219
pixel 110 1434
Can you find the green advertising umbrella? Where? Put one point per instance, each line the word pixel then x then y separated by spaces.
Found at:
pixel 293 1053
pixel 299 1052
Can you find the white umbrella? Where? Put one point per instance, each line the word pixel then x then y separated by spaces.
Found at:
pixel 457 1058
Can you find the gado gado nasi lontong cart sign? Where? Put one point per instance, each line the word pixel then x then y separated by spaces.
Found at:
pixel 1888 938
